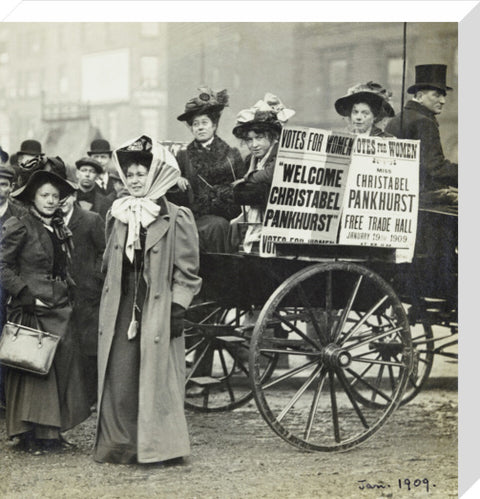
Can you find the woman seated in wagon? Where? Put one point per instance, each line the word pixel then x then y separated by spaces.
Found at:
pixel 259 128
pixel 365 106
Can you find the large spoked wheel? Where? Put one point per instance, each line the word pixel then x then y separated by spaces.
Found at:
pixel 217 341
pixel 344 328
pixel 423 354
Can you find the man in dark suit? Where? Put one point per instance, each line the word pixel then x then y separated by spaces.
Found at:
pixel 7 209
pixel 88 234
pixel 437 228
pixel 418 122
pixel 89 196
pixel 100 150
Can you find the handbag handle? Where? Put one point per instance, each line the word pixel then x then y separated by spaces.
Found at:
pixel 38 329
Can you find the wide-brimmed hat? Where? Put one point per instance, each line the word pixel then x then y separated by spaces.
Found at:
pixel 31 147
pixel 206 101
pixel 39 178
pixel 267 114
pixel 7 171
pixel 430 76
pixel 100 146
pixel 139 151
pixel 371 93
pixel 87 161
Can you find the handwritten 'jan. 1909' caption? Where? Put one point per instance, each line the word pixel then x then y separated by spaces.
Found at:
pixel 402 483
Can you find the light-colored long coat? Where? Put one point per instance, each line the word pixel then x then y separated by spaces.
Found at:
pixel 170 271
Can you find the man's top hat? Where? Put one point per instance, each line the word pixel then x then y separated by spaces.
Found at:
pixel 99 146
pixel 86 161
pixel 7 171
pixel 31 147
pixel 430 76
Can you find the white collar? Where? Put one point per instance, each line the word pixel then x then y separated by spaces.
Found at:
pixel 68 216
pixel 208 143
pixel 102 177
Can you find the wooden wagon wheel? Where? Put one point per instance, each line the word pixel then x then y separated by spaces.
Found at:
pixel 423 355
pixel 334 343
pixel 388 349
pixel 217 340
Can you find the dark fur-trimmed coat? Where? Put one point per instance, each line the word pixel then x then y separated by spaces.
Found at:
pixel 210 174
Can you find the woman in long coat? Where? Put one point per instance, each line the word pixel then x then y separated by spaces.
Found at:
pixel 209 166
pixel 34 255
pixel 152 263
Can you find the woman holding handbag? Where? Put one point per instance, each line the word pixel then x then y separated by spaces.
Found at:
pixel 34 255
pixel 152 261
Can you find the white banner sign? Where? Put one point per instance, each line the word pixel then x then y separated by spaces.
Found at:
pixel 336 188
pixel 381 201
pixel 308 187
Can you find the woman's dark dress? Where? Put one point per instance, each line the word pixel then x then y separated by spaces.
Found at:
pixel 118 420
pixel 31 255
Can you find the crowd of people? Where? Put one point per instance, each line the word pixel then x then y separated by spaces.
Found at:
pixel 109 261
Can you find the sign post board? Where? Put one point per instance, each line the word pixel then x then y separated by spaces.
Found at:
pixel 337 188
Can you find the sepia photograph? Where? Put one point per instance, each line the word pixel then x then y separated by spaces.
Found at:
pixel 229 252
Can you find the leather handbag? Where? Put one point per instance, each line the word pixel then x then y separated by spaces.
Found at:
pixel 27 349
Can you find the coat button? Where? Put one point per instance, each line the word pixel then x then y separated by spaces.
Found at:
pixel 100 332
pixel 157 297
pixel 106 289
pixel 155 250
pixel 116 246
pixel 157 339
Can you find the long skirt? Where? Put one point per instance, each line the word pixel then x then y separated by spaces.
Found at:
pixel 118 414
pixel 47 404
pixel 213 233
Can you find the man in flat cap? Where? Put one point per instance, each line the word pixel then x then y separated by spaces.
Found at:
pixel 418 122
pixel 89 196
pixel 100 150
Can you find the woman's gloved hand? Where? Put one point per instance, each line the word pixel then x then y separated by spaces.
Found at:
pixel 177 317
pixel 27 300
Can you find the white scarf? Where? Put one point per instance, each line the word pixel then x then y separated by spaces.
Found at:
pixel 142 211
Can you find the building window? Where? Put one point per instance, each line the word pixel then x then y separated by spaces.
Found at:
pixel 33 84
pixel 149 29
pixel 149 72
pixel 394 80
pixel 150 118
pixel 113 125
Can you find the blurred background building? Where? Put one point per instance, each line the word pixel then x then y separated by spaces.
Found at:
pixel 68 83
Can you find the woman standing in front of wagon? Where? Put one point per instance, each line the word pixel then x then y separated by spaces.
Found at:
pixel 152 264
pixel 209 166
pixel 34 255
